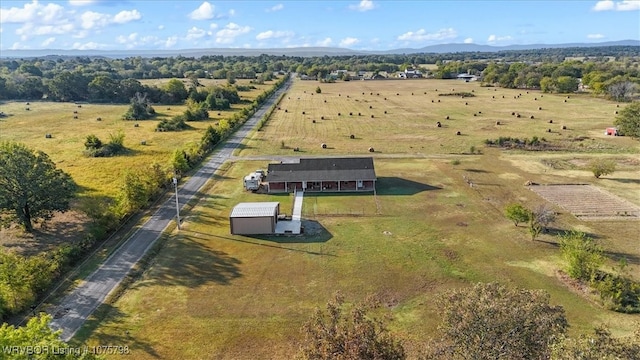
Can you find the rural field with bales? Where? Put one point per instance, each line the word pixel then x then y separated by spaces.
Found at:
pixel 435 222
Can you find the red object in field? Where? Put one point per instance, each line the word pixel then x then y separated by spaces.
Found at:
pixel 612 131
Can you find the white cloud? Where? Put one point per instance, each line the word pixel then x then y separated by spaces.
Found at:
pixel 493 38
pixel 81 2
pixel 171 41
pixel 160 27
pixel 203 12
pixel 270 34
pixel 48 41
pixel 595 36
pixel 624 5
pixel 423 35
pixel 92 19
pixel 468 41
pixel 325 42
pixel 29 29
pixel 126 16
pixel 275 8
pixel 195 33
pixel 91 45
pixel 364 5
pixel 213 26
pixel 348 41
pixel 18 46
pixel 229 33
pixel 232 12
pixel 33 12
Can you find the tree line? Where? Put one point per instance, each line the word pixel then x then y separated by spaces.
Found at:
pixel 99 79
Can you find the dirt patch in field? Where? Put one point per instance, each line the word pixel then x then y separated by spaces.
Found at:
pixel 587 202
pixel 63 228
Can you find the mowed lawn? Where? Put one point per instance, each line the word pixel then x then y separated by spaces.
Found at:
pixel 101 176
pixel 209 294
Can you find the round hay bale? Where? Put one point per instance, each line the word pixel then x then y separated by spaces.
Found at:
pixel 372 116
pixel 503 96
pixel 385 111
pixel 497 122
pixel 341 95
pixel 278 107
pixel 473 90
pixel 143 142
pixel 466 103
pixel 221 114
pixel 493 96
pixel 540 108
pixel 617 105
pixel 438 124
pixel 513 113
pixel 75 111
pixel 517 115
pixel 568 97
pixel 474 114
pixel 313 121
pixel 79 106
pixel 99 119
pixel 321 117
pixel 325 101
pixel 398 94
pixel 447 118
pixel 168 108
pixel 47 136
pixel 564 127
pixel 535 99
pixel 296 149
pixel 479 112
pixel 303 113
pixel 28 104
pixel 438 100
pixel 362 93
pixel 371 149
pixel 350 114
pixel 339 114
pixel 531 117
pixel 285 110
pixel 370 107
pixel 352 136
pixel 550 121
pixel 458 133
pixel 615 112
pixel 411 93
pixel 425 93
pixel 136 125
pixel 323 145
pixel 432 101
pixel 565 100
pixel 385 98
pixel 27 109
pixel 548 130
pixel 370 93
pixel 75 116
pixel 436 89
pixel 359 114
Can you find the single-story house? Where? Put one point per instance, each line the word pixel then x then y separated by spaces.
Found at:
pixel 323 175
pixel 254 218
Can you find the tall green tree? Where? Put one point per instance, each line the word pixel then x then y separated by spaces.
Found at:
pixel 628 121
pixel 582 255
pixel 517 213
pixel 37 335
pixel 31 187
pixel 492 321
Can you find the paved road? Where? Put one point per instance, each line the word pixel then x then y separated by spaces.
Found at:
pixel 76 307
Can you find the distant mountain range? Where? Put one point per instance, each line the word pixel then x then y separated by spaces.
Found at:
pixel 301 51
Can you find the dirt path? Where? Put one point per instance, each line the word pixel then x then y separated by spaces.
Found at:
pixel 77 306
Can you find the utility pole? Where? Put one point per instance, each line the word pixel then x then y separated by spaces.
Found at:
pixel 175 183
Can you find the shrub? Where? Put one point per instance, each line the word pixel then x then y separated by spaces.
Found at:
pixel 517 213
pixel 601 167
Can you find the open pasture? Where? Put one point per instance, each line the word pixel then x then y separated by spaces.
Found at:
pixel 69 124
pixel 209 294
pixel 401 117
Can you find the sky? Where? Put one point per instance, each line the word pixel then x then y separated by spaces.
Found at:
pixel 354 24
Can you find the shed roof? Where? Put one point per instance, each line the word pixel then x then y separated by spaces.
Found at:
pixel 255 209
pixel 323 169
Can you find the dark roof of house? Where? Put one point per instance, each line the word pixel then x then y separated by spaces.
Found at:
pixel 323 169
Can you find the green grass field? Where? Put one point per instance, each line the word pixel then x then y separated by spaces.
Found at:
pixel 209 294
pixel 101 176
